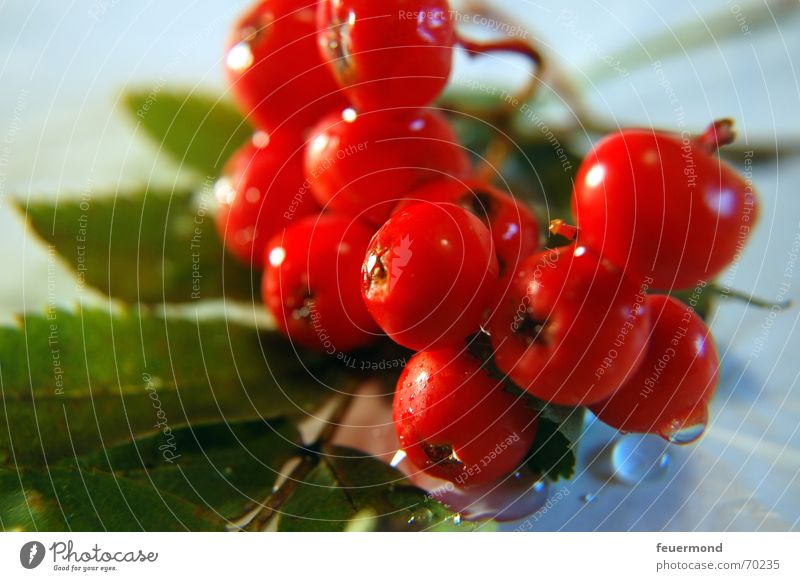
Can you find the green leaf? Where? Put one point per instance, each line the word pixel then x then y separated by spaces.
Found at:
pixel 348 490
pixel 544 171
pixel 72 383
pixel 221 467
pixel 67 499
pixel 553 452
pixel 150 247
pixel 201 131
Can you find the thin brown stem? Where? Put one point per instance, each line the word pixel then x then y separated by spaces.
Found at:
pixel 276 500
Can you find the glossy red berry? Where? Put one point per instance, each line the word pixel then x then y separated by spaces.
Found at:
pixel 392 53
pixel 670 393
pixel 311 284
pixel 514 228
pixel 274 68
pixel 429 275
pixel 571 327
pixel 360 165
pixel 662 205
pixel 261 193
pixel 455 421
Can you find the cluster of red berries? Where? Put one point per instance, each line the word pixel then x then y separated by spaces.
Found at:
pixel 359 203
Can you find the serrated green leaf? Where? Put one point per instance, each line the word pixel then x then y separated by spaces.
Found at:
pixel 347 488
pixel 72 383
pixel 220 467
pixel 67 499
pixel 198 130
pixel 150 247
pixel 553 452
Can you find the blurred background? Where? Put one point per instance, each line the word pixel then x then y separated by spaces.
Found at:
pixel 63 66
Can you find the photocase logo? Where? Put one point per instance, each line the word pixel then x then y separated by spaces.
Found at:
pixel 31 554
pixel 402 256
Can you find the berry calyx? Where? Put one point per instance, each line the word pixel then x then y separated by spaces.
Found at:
pixel 274 69
pixel 362 164
pixel 311 284
pixel 662 205
pixel 429 275
pixel 670 392
pixel 515 230
pixel 571 326
pixel 455 422
pixel 259 194
pixel 393 53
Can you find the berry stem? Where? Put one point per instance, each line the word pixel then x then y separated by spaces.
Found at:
pixel 721 132
pixel 261 519
pixel 494 158
pixel 561 228
pixel 749 299
pixel 517 46
pixel 308 460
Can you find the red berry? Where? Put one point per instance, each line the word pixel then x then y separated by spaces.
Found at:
pixel 392 53
pixel 429 276
pixel 514 228
pixel 360 165
pixel 669 394
pixel 571 327
pixel 311 283
pixel 455 422
pixel 662 205
pixel 273 65
pixel 261 193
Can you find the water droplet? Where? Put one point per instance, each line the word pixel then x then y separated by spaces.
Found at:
pixel 688 434
pixel 509 500
pixel 457 519
pixel 588 497
pixel 420 517
pixel 638 459
pixel 688 431
pixel 398 457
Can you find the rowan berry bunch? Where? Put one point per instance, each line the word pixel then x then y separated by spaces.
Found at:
pixel 360 204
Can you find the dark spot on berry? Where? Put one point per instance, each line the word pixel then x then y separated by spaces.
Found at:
pixel 441 455
pixel 534 330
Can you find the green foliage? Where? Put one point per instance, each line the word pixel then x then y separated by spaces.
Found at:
pixel 197 130
pixel 69 499
pixel 220 467
pixel 78 382
pixel 552 453
pixel 347 489
pixel 148 247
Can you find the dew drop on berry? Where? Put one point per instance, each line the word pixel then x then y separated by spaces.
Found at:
pixel 639 459
pixel 420 517
pixel 688 430
pixel 687 434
